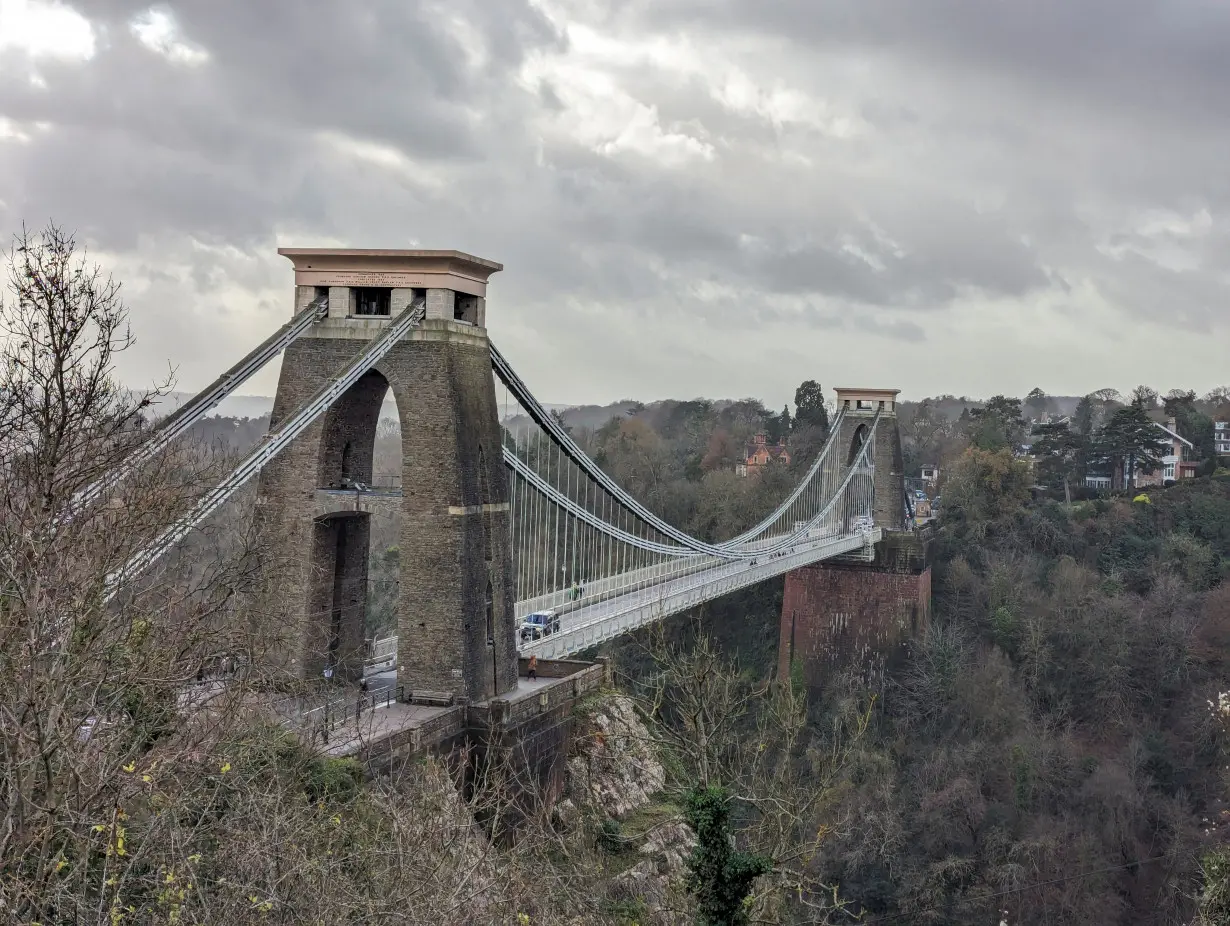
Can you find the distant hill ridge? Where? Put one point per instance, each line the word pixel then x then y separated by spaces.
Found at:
pixel 581 416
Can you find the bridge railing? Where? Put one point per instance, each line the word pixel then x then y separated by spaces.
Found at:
pixel 332 714
pixel 648 605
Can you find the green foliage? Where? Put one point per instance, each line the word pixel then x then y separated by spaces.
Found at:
pixel 984 486
pixel 1005 628
pixel 333 780
pixel 610 836
pixel 1051 718
pixel 1191 423
pixel 1035 401
pixel 1215 892
pixel 719 877
pixel 1196 562
pixel 998 425
pixel 797 680
pixel 1060 454
pixel 1022 778
pixel 1129 439
pixel 1083 419
pixel 809 407
pixel 627 912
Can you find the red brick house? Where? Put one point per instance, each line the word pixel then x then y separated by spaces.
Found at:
pixel 759 454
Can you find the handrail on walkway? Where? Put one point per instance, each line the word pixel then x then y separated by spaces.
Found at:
pixel 332 714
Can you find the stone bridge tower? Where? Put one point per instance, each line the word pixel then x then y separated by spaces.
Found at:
pixel 852 610
pixel 861 406
pixel 455 621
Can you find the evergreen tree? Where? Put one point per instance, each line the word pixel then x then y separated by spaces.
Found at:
pixel 997 425
pixel 1130 439
pixel 719 877
pixel 1083 419
pixel 1191 423
pixel 1060 453
pixel 809 409
pixel 1036 401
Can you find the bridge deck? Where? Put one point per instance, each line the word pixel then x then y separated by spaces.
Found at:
pixel 596 623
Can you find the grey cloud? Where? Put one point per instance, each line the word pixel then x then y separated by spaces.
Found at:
pixel 1121 53
pixel 228 150
pixel 897 329
pixel 1003 143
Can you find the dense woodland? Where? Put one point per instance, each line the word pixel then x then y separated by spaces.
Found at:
pixel 1055 720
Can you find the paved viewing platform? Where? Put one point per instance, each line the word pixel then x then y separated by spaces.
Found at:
pixel 381 725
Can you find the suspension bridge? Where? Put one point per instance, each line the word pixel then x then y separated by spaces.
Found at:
pixel 513 543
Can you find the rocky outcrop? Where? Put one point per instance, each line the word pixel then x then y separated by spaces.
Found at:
pixel 615 780
pixel 614 768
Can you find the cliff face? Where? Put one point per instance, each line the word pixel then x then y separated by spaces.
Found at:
pixel 614 768
pixel 614 802
pixel 613 852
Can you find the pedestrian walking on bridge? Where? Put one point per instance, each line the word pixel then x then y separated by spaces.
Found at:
pixel 533 668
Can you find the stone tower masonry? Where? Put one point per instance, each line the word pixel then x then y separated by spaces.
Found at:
pixel 844 613
pixel 861 407
pixel 455 621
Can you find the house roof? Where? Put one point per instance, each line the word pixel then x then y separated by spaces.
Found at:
pixel 1174 435
pixel 773 450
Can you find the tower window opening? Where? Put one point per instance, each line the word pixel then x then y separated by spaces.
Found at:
pixel 465 308
pixel 347 457
pixel 372 301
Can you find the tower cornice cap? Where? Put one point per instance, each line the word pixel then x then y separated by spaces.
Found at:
pixel 393 258
pixel 865 392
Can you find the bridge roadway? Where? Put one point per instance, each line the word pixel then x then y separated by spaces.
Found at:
pixel 596 623
pixel 605 612
pixel 622 582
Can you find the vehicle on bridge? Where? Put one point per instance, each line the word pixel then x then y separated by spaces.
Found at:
pixel 539 624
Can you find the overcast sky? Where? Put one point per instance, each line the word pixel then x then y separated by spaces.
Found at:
pixel 690 197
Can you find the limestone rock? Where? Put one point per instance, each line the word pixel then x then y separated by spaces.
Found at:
pixel 668 846
pixel 615 768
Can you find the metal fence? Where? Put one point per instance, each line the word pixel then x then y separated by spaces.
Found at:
pixel 333 714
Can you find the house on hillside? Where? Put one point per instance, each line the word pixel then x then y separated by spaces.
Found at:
pixel 1048 418
pixel 930 474
pixel 1221 438
pixel 1175 451
pixel 759 454
pixel 1177 462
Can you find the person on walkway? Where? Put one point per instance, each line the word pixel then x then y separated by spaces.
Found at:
pixel 533 672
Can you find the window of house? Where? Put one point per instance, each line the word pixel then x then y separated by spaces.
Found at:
pixel 371 301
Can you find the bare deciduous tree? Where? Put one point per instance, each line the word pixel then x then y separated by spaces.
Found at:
pixel 145 776
pixel 754 740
